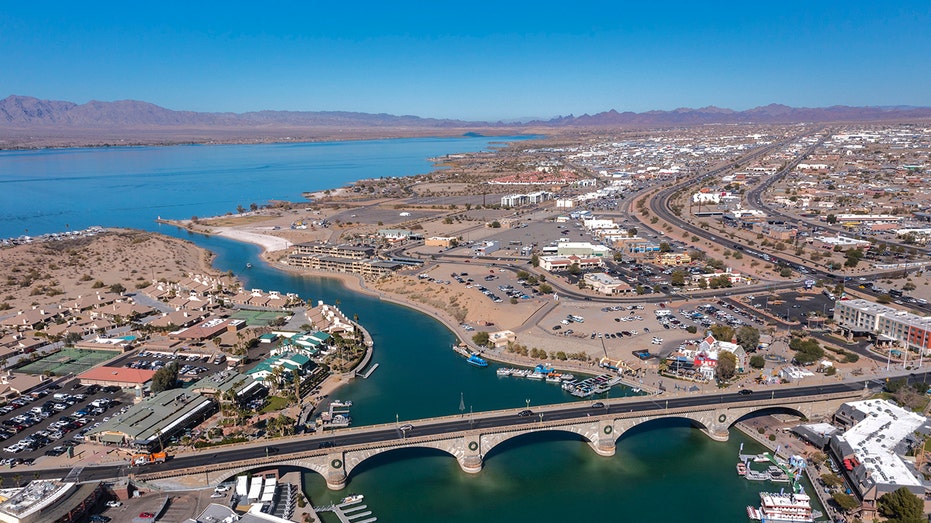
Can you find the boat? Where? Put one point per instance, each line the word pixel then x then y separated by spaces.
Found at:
pixel 793 508
pixel 341 403
pixel 474 359
pixel 741 469
pixel 753 513
pixel 352 498
pixel 504 371
pixel 535 376
pixel 249 265
pixel 553 379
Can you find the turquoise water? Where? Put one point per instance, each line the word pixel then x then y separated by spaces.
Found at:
pixel 58 189
pixel 664 471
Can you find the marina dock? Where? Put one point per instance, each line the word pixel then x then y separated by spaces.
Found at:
pixel 368 372
pixel 351 511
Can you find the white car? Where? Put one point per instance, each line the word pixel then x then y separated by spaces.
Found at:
pixel 221 488
pixel 114 504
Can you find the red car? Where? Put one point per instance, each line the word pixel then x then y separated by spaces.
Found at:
pixel 146 515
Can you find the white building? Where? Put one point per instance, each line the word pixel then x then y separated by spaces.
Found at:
pixel 870 450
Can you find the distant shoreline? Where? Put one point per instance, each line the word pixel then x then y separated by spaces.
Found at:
pixel 29 142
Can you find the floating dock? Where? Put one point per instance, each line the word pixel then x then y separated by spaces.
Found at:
pixel 368 372
pixel 351 512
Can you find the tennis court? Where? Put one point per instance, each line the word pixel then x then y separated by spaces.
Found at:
pixel 256 318
pixel 68 361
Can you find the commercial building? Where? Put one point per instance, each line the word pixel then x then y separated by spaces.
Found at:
pixel 887 324
pixel 150 423
pixel 441 241
pixel 123 377
pixel 607 285
pixel 564 263
pixel 581 249
pixel 673 259
pixel 878 433
pixel 51 502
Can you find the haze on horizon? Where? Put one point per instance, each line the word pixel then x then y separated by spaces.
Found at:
pixel 472 61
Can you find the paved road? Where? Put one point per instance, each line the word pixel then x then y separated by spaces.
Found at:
pixel 450 425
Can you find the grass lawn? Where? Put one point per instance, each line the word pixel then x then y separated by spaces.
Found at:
pixel 275 403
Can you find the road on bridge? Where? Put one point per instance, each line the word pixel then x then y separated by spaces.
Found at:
pixel 327 443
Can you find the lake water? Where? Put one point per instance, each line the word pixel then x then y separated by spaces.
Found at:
pixel 663 471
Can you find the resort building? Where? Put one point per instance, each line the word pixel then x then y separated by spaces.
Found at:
pixel 877 433
pixel 309 344
pixel 280 367
pixel 370 267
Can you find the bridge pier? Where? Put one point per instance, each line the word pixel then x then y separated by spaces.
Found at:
pixel 336 472
pixel 470 454
pixel 605 444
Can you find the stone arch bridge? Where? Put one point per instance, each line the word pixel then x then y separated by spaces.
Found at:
pixel 600 430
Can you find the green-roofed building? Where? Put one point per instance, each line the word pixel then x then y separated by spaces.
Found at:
pixel 150 423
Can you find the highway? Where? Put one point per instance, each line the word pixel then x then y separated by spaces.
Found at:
pixel 334 441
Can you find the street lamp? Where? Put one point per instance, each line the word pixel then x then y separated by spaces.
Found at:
pixel 528 402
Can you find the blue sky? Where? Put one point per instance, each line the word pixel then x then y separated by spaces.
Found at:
pixel 470 60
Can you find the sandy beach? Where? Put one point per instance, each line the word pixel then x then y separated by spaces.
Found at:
pixel 268 242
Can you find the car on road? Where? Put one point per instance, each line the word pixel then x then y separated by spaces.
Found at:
pixel 98 518
pixel 525 413
pixel 146 515
pixel 222 488
pixel 598 405
pixel 325 445
pixel 114 504
pixel 406 427
pixel 745 392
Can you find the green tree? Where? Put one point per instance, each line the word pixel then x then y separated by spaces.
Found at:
pixel 853 257
pixel 495 224
pixel 901 506
pixel 545 288
pixel 727 365
pixel 535 260
pixel 665 247
pixel 832 219
pixel 748 337
pixel 480 339
pixel 846 502
pixel 722 332
pixel 677 278
pixel 757 361
pixel 574 269
pixel 117 288
pixel 165 378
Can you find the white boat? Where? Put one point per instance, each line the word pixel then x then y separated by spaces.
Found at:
pixel 553 379
pixel 504 371
pixel 352 498
pixel 535 376
pixel 792 508
pixel 341 403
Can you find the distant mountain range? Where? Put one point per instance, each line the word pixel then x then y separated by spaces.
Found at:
pixel 27 112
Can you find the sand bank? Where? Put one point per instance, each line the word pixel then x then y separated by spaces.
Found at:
pixel 268 242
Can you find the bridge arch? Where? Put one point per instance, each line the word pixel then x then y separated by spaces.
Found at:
pixel 355 459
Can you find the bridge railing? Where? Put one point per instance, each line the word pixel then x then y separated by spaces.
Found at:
pixel 525 427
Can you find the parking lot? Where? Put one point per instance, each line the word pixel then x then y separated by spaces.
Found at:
pixel 49 421
pixel 191 366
